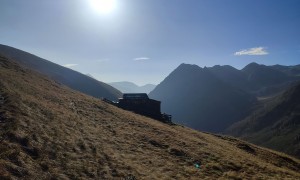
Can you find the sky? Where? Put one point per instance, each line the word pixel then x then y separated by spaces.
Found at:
pixel 143 41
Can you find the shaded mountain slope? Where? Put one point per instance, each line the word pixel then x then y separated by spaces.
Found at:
pixel 198 99
pixel 129 87
pixel 290 70
pixel 49 131
pixel 66 76
pixel 257 79
pixel 265 80
pixel 263 75
pixel 232 76
pixel 275 123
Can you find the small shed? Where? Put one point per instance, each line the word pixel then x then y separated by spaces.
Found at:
pixel 140 103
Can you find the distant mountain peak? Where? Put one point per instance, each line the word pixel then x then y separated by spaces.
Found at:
pixel 130 87
pixel 193 94
pixel 251 66
pixel 254 63
pixel 184 65
pixel 227 66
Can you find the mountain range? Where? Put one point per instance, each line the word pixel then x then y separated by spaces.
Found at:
pixel 63 75
pixel 212 99
pixel 258 79
pixel 49 131
pixel 129 87
pixel 197 98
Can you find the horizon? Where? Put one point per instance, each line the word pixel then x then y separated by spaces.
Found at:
pixel 142 42
pixel 90 75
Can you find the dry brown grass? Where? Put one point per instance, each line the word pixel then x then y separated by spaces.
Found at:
pixel 49 131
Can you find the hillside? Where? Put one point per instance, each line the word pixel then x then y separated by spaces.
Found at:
pixel 258 79
pixel 275 124
pixel 290 70
pixel 66 76
pixel 198 99
pixel 265 80
pixel 129 87
pixel 49 131
pixel 234 77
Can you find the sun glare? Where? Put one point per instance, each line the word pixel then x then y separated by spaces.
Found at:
pixel 104 6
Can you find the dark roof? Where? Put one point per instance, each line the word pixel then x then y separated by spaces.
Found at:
pixel 135 96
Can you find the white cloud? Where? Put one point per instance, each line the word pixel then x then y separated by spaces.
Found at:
pixel 256 51
pixel 70 65
pixel 141 59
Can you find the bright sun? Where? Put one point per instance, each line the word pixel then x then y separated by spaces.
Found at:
pixel 104 6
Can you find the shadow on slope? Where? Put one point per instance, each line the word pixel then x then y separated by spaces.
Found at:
pixel 275 124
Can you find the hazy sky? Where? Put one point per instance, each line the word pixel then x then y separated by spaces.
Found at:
pixel 144 40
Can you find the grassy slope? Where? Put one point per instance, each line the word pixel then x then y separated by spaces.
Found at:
pixel 50 131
